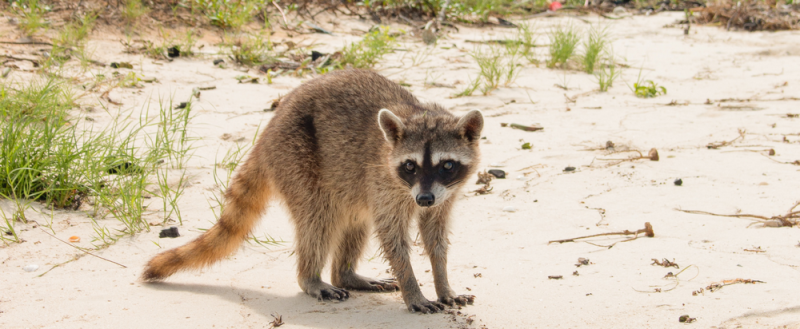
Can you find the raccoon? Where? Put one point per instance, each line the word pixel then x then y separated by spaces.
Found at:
pixel 349 153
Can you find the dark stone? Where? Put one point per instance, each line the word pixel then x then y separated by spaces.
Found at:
pixel 568 169
pixel 173 51
pixel 498 173
pixel 315 55
pixel 218 61
pixel 171 232
pixel 678 182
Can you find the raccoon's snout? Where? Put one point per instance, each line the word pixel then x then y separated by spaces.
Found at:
pixel 425 199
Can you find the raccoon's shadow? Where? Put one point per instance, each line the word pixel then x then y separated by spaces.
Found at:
pixel 361 310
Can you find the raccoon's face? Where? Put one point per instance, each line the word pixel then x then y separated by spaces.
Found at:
pixel 432 154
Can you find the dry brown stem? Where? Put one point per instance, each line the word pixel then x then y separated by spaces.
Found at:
pixel 647 230
pixel 789 219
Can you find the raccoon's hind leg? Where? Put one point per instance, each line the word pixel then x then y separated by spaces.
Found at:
pixel 315 231
pixel 346 257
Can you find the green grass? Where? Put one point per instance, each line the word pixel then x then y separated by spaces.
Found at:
pixel 526 38
pixel 250 50
pixel 51 157
pixel 594 47
pixel 606 75
pixel 367 52
pixel 497 66
pixel 31 13
pixel 647 88
pixel 228 14
pixel 132 10
pixel 563 42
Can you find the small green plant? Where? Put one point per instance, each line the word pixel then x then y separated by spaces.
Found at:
pixel 367 52
pixel 594 47
pixel 526 39
pixel 31 13
pixel 563 41
pixel 251 50
pixel 498 66
pixel 606 76
pixel 74 33
pixel 132 10
pixel 229 13
pixel 648 88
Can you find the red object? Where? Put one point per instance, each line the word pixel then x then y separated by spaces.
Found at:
pixel 554 6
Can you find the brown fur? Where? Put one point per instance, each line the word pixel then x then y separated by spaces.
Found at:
pixel 324 154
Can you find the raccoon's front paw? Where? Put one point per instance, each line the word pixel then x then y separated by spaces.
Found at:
pixel 460 300
pixel 423 305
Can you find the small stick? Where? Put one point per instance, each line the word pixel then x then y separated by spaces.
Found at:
pixel 789 219
pixel 652 155
pixel 26 43
pixel 81 249
pixel 647 230
pixel 34 61
pixel 282 14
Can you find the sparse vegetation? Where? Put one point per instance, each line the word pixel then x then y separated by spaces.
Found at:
pixel 594 47
pixel 31 14
pixel 647 88
pixel 251 50
pixel 132 10
pixel 47 156
pixel 228 14
pixel 606 75
pixel 563 42
pixel 498 66
pixel 367 52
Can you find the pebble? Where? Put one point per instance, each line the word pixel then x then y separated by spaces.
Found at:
pixel 30 268
pixel 521 177
pixel 510 209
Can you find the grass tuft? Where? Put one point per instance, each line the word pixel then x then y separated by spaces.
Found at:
pixel 367 52
pixel 563 42
pixel 594 47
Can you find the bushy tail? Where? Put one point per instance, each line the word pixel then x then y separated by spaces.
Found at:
pixel 245 201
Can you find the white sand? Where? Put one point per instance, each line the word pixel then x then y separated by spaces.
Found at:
pixel 509 250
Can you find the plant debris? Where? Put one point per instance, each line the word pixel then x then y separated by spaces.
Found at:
pixel 484 177
pixel 555 277
pixel 748 15
pixel 665 263
pixel 718 285
pixel 523 127
pixel 647 230
pixel 652 155
pixel 277 321
pixel 716 145
pixel 583 262
pixel 789 219
pixel 123 65
pixel 686 319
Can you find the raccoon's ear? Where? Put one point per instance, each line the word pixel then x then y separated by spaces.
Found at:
pixel 470 125
pixel 391 126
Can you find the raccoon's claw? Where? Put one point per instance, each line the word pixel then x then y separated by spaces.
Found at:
pixel 333 293
pixel 460 300
pixel 385 284
pixel 426 307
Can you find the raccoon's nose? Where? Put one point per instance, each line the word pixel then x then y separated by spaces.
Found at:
pixel 425 199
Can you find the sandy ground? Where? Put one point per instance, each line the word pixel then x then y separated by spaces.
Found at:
pixel 501 257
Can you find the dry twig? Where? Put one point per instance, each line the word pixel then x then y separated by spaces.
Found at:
pixel 647 230
pixel 789 219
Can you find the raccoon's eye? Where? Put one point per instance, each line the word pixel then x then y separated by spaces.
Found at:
pixel 409 167
pixel 448 165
